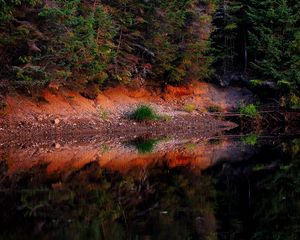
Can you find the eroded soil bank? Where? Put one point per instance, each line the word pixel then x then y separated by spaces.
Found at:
pixel 63 112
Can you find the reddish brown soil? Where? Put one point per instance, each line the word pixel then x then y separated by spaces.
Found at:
pixel 63 112
pixel 117 155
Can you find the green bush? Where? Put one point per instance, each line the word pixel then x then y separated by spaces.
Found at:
pixel 249 110
pixel 144 113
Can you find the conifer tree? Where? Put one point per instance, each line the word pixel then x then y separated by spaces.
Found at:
pixel 275 40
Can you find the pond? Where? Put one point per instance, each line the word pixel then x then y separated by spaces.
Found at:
pixel 224 187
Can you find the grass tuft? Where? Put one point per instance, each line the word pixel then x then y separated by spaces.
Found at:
pixel 103 114
pixel 189 107
pixel 145 145
pixel 144 113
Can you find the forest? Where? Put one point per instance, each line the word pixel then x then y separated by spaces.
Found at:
pixel 95 44
pixel 150 119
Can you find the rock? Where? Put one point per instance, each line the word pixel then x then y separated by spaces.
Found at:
pixel 56 121
pixel 57 145
pixel 40 118
pixel 239 80
pixel 236 79
pixel 219 80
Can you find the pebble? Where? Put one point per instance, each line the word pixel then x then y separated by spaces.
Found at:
pixel 56 121
pixel 57 145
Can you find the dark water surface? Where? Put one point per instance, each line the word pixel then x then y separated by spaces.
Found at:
pixel 245 187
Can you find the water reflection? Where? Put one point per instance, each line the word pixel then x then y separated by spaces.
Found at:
pixel 217 188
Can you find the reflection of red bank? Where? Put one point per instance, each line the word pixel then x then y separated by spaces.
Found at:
pixel 121 158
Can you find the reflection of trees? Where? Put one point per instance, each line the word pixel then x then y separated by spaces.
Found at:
pixel 92 203
pixel 255 199
pixel 261 199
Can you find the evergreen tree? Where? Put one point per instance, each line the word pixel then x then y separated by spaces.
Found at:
pixel 275 40
pixel 228 21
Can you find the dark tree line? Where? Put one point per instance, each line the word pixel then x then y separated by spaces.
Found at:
pixel 261 40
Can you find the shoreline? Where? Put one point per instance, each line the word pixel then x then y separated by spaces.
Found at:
pixel 62 112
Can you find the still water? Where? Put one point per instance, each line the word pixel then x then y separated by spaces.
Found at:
pixel 226 187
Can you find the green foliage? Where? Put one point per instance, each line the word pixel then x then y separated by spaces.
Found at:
pixel 190 146
pixel 86 48
pixel 249 110
pixel 260 37
pixel 81 44
pixel 78 43
pixel 145 145
pixel 228 21
pixel 189 107
pixel 180 48
pixel 274 38
pixel 144 113
pixel 250 139
pixel 103 114
pixel 294 102
pixel 256 82
pixel 30 78
pixel 7 8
